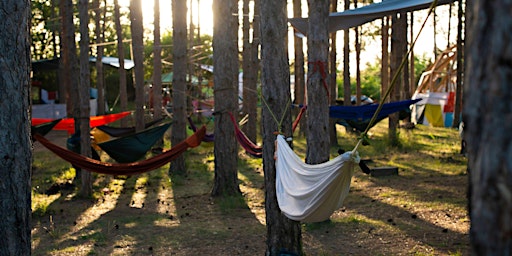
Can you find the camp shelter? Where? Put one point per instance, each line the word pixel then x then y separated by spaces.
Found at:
pixel 194 80
pixel 359 16
pixel 436 88
pixel 45 97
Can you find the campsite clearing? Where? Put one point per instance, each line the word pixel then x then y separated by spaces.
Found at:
pixel 420 211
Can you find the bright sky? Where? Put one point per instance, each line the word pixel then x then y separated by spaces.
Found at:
pixel 204 10
pixel 423 46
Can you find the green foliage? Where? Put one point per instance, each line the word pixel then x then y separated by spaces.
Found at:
pixel 371 77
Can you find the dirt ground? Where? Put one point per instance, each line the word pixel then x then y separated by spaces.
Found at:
pixel 420 211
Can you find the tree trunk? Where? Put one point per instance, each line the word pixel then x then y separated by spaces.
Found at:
pixel 123 94
pixel 397 54
pixel 317 86
pixel 282 233
pixel 487 111
pixel 69 60
pixel 84 95
pixel 460 68
pixel 225 63
pixel 252 87
pixel 346 63
pixel 249 80
pixel 358 62
pixel 179 83
pixel 69 65
pixel 157 66
pixel 333 89
pixel 385 59
pixel 138 59
pixel 16 150
pixel 99 65
pixel 300 87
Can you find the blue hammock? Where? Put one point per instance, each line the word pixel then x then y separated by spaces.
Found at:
pixel 365 112
pixel 358 117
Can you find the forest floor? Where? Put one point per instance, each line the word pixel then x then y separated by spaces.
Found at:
pixel 420 211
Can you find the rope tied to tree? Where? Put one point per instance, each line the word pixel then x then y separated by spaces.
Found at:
pixel 319 66
pixel 280 122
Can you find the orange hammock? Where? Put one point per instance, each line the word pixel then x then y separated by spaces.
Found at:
pixel 68 124
pixel 150 164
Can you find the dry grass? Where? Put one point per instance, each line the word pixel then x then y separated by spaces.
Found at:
pixel 422 211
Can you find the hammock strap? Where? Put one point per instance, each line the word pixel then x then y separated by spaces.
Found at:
pixel 394 80
pixel 299 116
pixel 319 66
pixel 280 122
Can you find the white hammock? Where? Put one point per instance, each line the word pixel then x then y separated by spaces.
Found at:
pixel 311 193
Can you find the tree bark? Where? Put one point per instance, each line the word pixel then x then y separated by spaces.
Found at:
pixel 225 63
pixel 318 84
pixel 69 60
pixel 300 87
pixel 487 112
pixel 138 59
pixel 460 68
pixel 69 65
pixel 255 67
pixel 99 55
pixel 123 94
pixel 385 59
pixel 249 80
pixel 282 233
pixel 16 150
pixel 333 89
pixel 179 83
pixel 397 54
pixel 346 63
pixel 84 96
pixel 157 65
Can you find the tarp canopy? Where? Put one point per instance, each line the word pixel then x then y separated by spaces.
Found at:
pixel 358 16
pixel 53 64
pixel 167 79
pixel 114 62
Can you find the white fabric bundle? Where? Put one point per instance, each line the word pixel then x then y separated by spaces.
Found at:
pixel 311 193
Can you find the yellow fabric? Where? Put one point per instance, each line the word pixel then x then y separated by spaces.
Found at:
pixel 98 136
pixel 434 115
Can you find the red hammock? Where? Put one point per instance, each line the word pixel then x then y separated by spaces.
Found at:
pixel 68 124
pixel 245 142
pixel 251 147
pixel 124 169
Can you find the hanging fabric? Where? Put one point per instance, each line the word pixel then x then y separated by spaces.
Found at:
pixel 133 147
pixel 124 168
pixel 311 193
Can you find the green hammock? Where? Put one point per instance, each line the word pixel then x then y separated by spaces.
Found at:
pixel 133 147
pixel 45 128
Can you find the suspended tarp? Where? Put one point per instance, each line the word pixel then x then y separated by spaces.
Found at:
pixel 149 164
pixel 114 62
pixel 435 109
pixel 307 192
pixel 44 128
pixel 125 131
pixel 358 16
pixel 437 86
pixel 68 124
pixel 358 118
pixel 133 147
pixel 53 64
pixel 364 112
